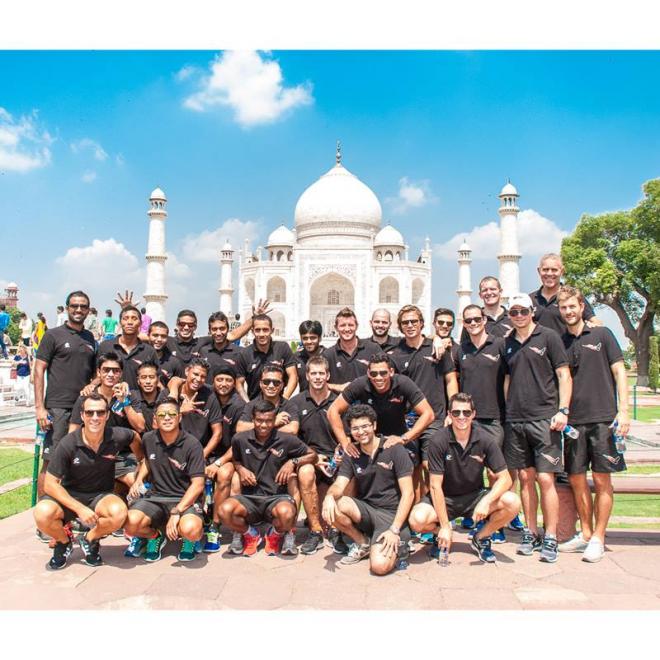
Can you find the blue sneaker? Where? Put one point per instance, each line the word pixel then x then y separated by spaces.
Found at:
pixel 498 536
pixel 516 524
pixel 434 551
pixel 476 528
pixel 197 547
pixel 212 543
pixel 136 548
pixel 467 523
pixel 482 548
pixel 427 538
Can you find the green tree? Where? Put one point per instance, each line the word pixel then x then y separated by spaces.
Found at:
pixel 614 258
pixel 13 330
pixel 654 364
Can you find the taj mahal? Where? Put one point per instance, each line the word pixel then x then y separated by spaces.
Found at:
pixel 338 253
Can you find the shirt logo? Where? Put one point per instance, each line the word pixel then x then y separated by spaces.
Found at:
pixel 152 457
pixel 479 459
pixel 370 401
pixel 110 457
pixel 508 350
pixel 359 470
pixel 252 366
pixel 248 451
pixel 276 452
pixel 76 461
pixel 448 457
pixel 227 419
pixel 230 361
pixel 136 361
pixel 361 361
pixel 405 366
pixel 551 459
pixel 593 347
pixel 176 464
pixel 396 399
pixel 338 364
pixel 492 358
pixel 538 351
pixel 304 412
pixel 67 345
pixel 464 357
pixel 614 460
pixel 386 466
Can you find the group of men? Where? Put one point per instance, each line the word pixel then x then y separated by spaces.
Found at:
pixel 381 440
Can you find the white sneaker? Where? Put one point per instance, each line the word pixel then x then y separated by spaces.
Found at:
pixel 356 552
pixel 594 552
pixel 576 544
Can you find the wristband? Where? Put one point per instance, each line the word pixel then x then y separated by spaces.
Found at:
pixel 175 512
pixel 217 463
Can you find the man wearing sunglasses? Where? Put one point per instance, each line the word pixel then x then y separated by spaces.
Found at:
pixel 444 321
pixel 174 466
pixel 537 388
pixel 497 318
pixel 458 455
pixel 79 483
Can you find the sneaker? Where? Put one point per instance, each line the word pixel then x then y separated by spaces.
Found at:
pixel 482 548
pixel 498 536
pixel 91 550
pixel 426 538
pixel 516 524
pixel 187 552
pixel 313 543
pixel 336 542
pixel 273 541
pixel 434 551
pixel 289 544
pixel 212 543
pixel 576 544
pixel 549 550
pixel 251 543
pixel 236 545
pixel 594 552
pixel 136 548
pixel 155 547
pixel 476 528
pixel 197 547
pixel 44 538
pixel 118 533
pixel 467 523
pixel 61 552
pixel 528 543
pixel 356 552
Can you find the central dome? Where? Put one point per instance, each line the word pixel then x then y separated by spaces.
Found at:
pixel 338 203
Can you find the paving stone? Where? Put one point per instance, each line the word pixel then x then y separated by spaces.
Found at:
pixel 480 599
pixel 546 596
pixel 255 592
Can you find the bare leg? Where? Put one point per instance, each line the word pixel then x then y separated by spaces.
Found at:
pixel 347 515
pixel 530 501
pixel 284 517
pixel 583 503
pixel 223 479
pixel 190 527
pixel 549 501
pixel 234 514
pixel 111 512
pixel 139 524
pixel 49 517
pixel 604 503
pixel 310 496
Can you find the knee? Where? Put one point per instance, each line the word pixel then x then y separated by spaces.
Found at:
pixel 380 566
pixel 133 522
pixel 117 512
pixel 306 476
pixel 344 505
pixel 225 473
pixel 285 512
pixel 190 527
pixel 546 480
pixel 511 502
pixel 603 483
pixel 44 512
pixel 226 511
pixel 417 520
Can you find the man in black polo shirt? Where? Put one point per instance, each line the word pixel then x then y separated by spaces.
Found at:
pixel 67 355
pixel 140 411
pixel 497 318
pixel 174 465
pixel 168 364
pixel 349 357
pixel 444 321
pixel 261 352
pixel 132 350
pixel 310 336
pixel 458 455
pixel 221 352
pixel 599 383
pixel 544 299
pixel 381 322
pixel 265 459
pixel 537 387
pixel 79 483
pixel 376 519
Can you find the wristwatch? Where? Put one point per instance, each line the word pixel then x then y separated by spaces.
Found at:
pixel 564 411
pixel 295 460
pixel 217 463
pixel 175 511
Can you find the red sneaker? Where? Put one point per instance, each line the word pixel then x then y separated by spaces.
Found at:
pixel 251 543
pixel 273 542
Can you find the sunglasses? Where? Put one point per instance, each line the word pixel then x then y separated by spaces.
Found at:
pixel 445 324
pixel 380 372
pixel 525 311
pixel 475 320
pixel 168 414
pixel 95 413
pixel 186 325
pixel 463 413
pixel 79 306
pixel 410 322
pixel 110 370
pixel 271 381
pixel 363 427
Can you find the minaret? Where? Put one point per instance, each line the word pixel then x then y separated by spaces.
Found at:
pixel 464 290
pixel 226 290
pixel 155 296
pixel 509 255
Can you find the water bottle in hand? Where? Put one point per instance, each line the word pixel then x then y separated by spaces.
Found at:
pixel 443 557
pixel 619 440
pixel 571 432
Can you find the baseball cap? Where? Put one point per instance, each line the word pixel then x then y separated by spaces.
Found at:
pixel 521 300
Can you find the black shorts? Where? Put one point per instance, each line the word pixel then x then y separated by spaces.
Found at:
pixel 594 448
pixel 260 507
pixel 157 509
pixel 59 428
pixel 460 506
pixel 90 500
pixel 423 440
pixel 492 428
pixel 532 444
pixel 374 521
pixel 125 464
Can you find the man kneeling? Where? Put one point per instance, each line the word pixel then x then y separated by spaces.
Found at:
pixel 376 519
pixel 457 457
pixel 264 459
pixel 174 462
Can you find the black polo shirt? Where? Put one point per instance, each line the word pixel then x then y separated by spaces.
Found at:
pixel 391 406
pixel 70 357
pixel 265 460
pixel 251 363
pixel 284 405
pixel 533 392
pixel 425 371
pixel 590 356
pixel 377 478
pixel 143 352
pixel 224 357
pixel 463 469
pixel 482 376
pixel 495 327
pixel 172 467
pixel 187 350
pixel 389 343
pixel 146 409
pixel 302 357
pixel 169 365
pixel 114 419
pixel 231 413
pixel 199 425
pixel 315 429
pixel 345 368
pixel 81 469
pixel 546 312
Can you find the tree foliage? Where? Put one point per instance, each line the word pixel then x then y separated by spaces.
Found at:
pixel 654 364
pixel 13 330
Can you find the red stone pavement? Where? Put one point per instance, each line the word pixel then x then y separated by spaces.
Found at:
pixel 627 578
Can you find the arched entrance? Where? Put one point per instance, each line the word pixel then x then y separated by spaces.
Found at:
pixel 327 296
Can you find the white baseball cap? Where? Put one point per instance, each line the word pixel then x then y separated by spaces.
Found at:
pixel 521 300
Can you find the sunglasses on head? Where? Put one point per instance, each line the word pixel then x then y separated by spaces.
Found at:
pixel 379 372
pixel 94 413
pixel 271 381
pixel 459 413
pixel 475 320
pixel 525 311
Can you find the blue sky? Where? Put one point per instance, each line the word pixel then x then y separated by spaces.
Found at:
pixel 85 136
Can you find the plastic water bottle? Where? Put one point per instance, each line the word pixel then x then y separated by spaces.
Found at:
pixel 332 463
pixel 142 491
pixel 208 494
pixel 571 432
pixel 41 436
pixel 119 405
pixel 619 440
pixel 443 557
pixel 402 556
pixel 411 418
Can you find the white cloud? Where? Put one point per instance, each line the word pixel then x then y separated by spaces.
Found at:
pixel 185 72
pixel 23 145
pixel 412 194
pixel 87 144
pixel 206 245
pixel 250 84
pixel 175 268
pixel 88 176
pixel 119 159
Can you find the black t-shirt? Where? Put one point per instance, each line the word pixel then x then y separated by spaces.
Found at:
pixel 463 469
pixel 546 312
pixel 171 467
pixel 226 357
pixel 425 371
pixel 114 419
pixel 231 413
pixel 301 357
pixel 198 424
pixel 495 327
pixel 284 405
pixel 143 352
pixel 315 429
pixel 590 356
pixel 345 368
pixel 533 392
pixel 71 359
pixel 187 350
pixel 482 376
pixel 251 363
pixel 389 343
pixel 265 460
pixel 147 410
pixel 81 469
pixel 168 366
pixel 377 478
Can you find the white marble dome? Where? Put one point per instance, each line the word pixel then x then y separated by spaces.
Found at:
pixel 509 189
pixel 281 236
pixel 158 194
pixel 388 235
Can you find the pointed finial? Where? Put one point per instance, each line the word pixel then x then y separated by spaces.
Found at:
pixel 338 154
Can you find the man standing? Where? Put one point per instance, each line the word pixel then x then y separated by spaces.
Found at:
pixel 92 323
pixel 221 352
pixel 376 520
pixel 497 318
pixel 4 324
pixel 537 387
pixel 310 336
pixel 599 382
pixel 109 326
pixel 146 321
pixel 168 364
pixel 61 316
pixel 381 322
pixel 25 326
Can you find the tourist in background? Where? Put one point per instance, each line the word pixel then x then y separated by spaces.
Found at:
pixel 146 321
pixel 61 316
pixel 109 326
pixel 4 322
pixel 22 366
pixel 25 325
pixel 39 331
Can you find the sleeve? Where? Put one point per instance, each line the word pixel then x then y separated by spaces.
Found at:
pixel 236 450
pixel 246 413
pixel 411 391
pixel 403 466
pixel 195 460
pixel 296 447
pixel 436 455
pixel 76 416
pixel 136 400
pixel 352 392
pixel 505 362
pixel 241 365
pixel 588 311
pixel 288 358
pixel 494 457
pixel 612 348
pixel 122 437
pixel 346 468
pixel 556 351
pixel 215 411
pixel 447 363
pixel 177 367
pixel 46 350
pixel 60 460
pixel 291 407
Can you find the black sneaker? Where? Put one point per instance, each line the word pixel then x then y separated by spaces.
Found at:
pixel 313 543
pixel 61 552
pixel 529 543
pixel 483 549
pixel 91 550
pixel 336 542
pixel 44 538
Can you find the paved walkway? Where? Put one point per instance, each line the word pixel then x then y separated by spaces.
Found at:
pixel 627 578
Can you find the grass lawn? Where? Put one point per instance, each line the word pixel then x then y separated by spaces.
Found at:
pixel 650 468
pixel 647 413
pixel 637 505
pixel 15 464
